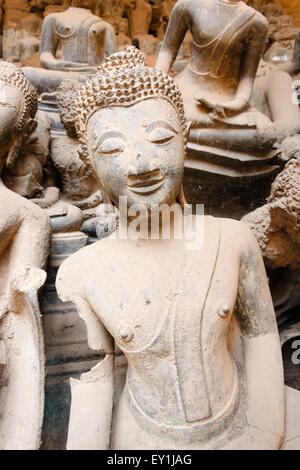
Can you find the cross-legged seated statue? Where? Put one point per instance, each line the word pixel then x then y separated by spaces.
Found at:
pixel 25 233
pixel 228 41
pixel 197 326
pixel 82 39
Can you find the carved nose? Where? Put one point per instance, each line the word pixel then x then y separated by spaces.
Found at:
pixel 143 169
pixel 132 171
pixel 154 166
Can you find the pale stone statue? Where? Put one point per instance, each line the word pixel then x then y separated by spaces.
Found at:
pixel 197 326
pixel 218 81
pixel 73 43
pixel 83 38
pixel 276 225
pixel 229 39
pixel 233 129
pixel 24 244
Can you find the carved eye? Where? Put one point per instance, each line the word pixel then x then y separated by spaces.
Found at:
pixel 111 146
pixel 161 136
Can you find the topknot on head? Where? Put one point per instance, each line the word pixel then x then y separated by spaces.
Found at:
pixel 13 75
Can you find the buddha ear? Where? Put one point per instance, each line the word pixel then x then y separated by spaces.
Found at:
pixel 188 127
pixel 181 198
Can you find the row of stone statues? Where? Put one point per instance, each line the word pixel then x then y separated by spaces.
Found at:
pixel 197 327
pixel 25 234
pixel 140 19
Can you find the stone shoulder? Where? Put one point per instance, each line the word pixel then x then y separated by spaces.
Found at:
pixel 240 234
pixel 77 267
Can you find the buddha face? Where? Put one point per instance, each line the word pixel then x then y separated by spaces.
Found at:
pixel 11 101
pixel 138 152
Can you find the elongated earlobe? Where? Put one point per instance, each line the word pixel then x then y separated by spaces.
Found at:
pixel 181 198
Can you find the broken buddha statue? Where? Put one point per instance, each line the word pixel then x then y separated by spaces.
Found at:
pixel 228 42
pixel 27 172
pixel 73 41
pixel 196 323
pixel 25 234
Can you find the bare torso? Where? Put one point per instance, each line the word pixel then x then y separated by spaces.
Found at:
pixel 80 35
pixel 168 323
pixel 220 34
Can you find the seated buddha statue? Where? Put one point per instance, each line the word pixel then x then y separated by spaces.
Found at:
pixel 196 325
pixel 72 41
pixel 228 42
pixel 25 234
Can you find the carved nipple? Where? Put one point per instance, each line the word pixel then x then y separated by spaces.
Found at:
pixel 127 335
pixel 223 311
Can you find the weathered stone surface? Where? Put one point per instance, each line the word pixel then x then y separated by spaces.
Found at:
pixel 24 245
pixel 84 40
pixel 277 224
pixel 229 138
pixel 74 40
pixel 133 135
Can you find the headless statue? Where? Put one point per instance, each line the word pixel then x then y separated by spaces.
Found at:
pixel 197 326
pixel 228 42
pixel 25 234
pixel 82 39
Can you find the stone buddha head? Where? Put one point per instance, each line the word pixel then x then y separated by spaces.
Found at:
pixel 131 125
pixel 18 106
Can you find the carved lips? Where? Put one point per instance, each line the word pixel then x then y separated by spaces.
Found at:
pixel 145 186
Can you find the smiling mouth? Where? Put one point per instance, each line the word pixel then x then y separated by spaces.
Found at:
pixel 146 187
